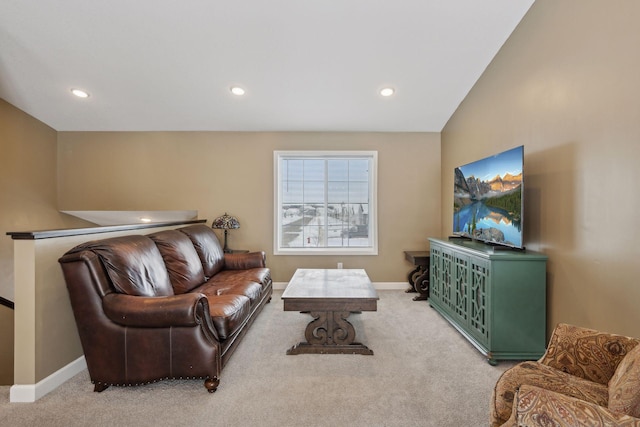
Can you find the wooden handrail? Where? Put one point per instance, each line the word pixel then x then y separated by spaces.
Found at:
pixel 48 234
pixel 7 303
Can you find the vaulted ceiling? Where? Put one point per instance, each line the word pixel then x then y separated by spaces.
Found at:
pixel 304 65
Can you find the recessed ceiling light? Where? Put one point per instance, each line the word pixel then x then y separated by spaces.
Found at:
pixel 145 219
pixel 237 90
pixel 80 93
pixel 387 91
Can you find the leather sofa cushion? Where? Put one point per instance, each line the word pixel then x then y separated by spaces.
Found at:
pixel 181 259
pixel 249 289
pixel 228 313
pixel 134 265
pixel 259 275
pixel 207 246
pixel 624 385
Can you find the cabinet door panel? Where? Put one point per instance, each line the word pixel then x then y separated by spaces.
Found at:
pixel 479 300
pixel 460 288
pixel 435 285
pixel 446 275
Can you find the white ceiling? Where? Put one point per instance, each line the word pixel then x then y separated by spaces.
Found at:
pixel 306 65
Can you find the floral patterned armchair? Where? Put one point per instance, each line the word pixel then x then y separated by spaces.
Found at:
pixel 585 378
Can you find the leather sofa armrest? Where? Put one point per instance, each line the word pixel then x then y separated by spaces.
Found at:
pixel 190 309
pixel 566 352
pixel 244 261
pixel 535 406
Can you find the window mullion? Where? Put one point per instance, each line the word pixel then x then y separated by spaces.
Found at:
pixel 325 227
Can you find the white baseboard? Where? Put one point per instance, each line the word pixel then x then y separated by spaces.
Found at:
pixel 380 286
pixel 33 392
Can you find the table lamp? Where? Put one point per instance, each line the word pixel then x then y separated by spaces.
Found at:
pixel 225 222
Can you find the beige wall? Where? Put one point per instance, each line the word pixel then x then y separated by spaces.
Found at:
pixel 217 172
pixel 566 86
pixel 28 167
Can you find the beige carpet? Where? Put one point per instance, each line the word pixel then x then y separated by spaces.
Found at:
pixel 423 373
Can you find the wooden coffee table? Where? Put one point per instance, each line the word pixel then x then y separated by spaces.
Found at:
pixel 330 296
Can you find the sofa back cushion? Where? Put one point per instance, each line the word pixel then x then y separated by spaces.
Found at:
pixel 181 259
pixel 207 246
pixel 134 265
pixel 624 386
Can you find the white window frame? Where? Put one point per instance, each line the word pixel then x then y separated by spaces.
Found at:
pixel 372 249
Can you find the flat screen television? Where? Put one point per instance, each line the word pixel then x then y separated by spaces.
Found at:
pixel 487 199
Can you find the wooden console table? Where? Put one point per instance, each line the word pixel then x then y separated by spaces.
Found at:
pixel 418 277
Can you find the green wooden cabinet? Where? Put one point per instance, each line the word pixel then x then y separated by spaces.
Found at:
pixel 495 298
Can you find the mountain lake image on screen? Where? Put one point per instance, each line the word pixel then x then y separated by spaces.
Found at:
pixel 487 200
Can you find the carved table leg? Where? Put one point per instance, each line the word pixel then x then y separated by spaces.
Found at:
pixel 330 333
pixel 421 260
pixel 411 278
pixel 422 286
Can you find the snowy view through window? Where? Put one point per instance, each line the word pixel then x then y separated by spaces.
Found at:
pixel 324 202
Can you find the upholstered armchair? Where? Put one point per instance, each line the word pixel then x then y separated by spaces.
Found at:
pixel 585 378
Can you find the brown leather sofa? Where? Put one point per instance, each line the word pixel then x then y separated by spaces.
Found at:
pixel 167 305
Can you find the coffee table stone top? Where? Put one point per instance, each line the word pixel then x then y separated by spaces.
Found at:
pixel 330 283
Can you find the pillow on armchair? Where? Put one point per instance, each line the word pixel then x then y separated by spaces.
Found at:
pixel 624 385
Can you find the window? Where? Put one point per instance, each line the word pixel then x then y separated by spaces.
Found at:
pixel 325 202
